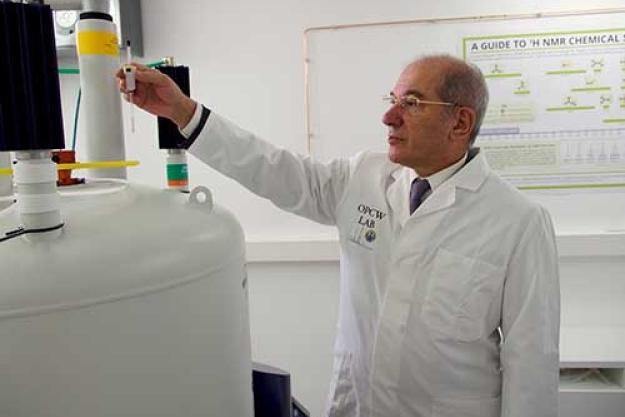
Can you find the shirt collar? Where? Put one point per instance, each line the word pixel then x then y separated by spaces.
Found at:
pixel 443 175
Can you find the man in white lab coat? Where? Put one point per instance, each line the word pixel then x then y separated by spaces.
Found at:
pixel 449 302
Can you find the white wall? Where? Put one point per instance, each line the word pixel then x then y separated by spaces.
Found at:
pixel 293 312
pixel 246 59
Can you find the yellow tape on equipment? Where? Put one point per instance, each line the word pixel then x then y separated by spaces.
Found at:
pixel 98 43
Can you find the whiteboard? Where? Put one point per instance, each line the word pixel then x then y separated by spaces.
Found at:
pixel 556 117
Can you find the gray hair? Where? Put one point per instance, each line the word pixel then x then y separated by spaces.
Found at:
pixel 462 83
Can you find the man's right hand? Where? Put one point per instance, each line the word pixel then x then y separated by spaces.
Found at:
pixel 158 94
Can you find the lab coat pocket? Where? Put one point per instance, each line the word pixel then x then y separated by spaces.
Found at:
pixel 459 293
pixel 448 407
pixel 342 398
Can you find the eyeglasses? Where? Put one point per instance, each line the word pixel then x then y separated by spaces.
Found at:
pixel 412 103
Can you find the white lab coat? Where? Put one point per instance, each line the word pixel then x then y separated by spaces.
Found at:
pixel 422 296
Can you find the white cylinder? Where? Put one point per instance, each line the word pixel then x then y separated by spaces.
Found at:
pixel 101 116
pixel 6 182
pixel 37 196
pixel 139 309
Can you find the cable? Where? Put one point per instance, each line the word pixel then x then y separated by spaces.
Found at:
pixel 76 112
pixel 157 63
pixel 69 71
pixel 21 231
pixel 74 71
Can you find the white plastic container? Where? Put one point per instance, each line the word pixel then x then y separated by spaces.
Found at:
pixel 139 309
pixel 97 47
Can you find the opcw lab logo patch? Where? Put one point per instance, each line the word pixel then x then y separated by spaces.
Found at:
pixel 369 215
pixel 364 232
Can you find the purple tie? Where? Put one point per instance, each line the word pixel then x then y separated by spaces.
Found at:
pixel 417 190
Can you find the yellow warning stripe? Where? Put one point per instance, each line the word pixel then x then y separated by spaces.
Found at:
pixel 97 43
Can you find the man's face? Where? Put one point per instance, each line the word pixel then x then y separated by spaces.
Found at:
pixel 419 138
